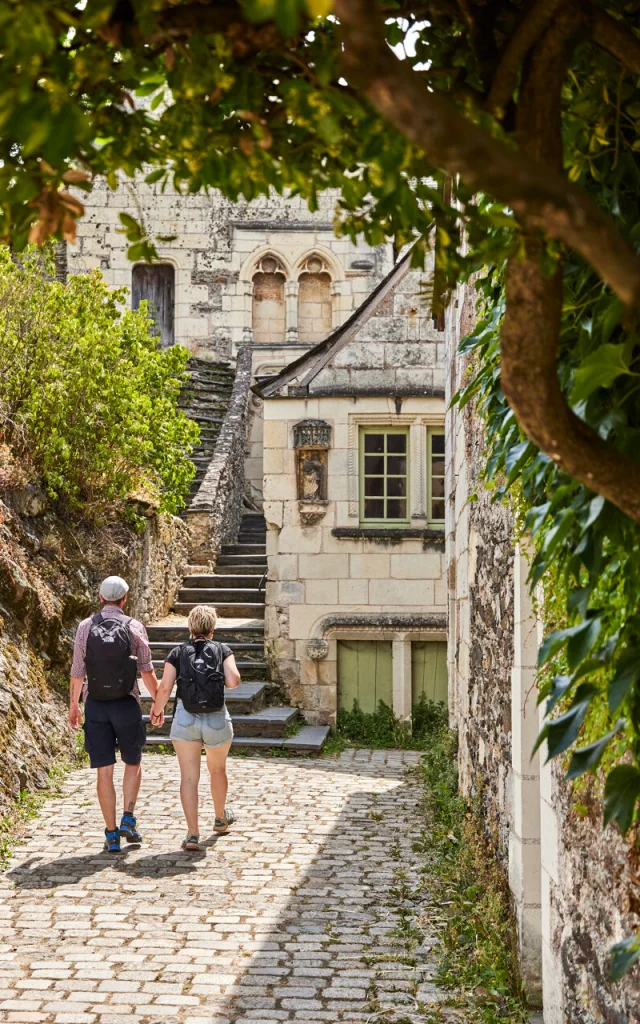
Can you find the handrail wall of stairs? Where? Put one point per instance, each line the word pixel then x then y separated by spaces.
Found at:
pixel 214 515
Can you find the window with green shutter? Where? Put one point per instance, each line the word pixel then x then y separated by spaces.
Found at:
pixel 384 475
pixel 435 476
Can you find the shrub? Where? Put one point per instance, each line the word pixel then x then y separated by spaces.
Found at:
pixel 382 729
pixel 88 401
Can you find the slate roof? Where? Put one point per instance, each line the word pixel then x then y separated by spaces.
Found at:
pixel 302 370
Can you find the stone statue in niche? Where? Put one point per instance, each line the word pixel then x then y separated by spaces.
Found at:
pixel 312 440
pixel 312 474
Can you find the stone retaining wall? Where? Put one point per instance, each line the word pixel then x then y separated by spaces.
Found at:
pixel 215 513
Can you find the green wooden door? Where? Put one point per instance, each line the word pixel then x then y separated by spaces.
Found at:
pixel 429 670
pixel 364 674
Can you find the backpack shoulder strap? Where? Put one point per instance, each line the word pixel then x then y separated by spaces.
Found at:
pixel 97 619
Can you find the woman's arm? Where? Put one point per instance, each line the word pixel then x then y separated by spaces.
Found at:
pixel 231 674
pixel 164 691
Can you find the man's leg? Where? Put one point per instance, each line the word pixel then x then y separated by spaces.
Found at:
pixel 131 786
pixel 107 796
pixel 217 765
pixel 189 755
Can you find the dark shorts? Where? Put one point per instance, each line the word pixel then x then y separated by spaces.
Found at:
pixel 107 722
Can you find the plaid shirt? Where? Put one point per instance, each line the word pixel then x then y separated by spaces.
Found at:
pixel 139 647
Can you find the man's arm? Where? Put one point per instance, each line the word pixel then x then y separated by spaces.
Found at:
pixel 75 711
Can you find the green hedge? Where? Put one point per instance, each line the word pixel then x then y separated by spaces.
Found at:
pixel 88 402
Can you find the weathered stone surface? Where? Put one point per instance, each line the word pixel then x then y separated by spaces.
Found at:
pixel 215 513
pixel 49 580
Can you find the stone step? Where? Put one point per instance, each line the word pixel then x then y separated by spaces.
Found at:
pixel 218 595
pixel 310 739
pixel 202 418
pixel 245 699
pixel 249 670
pixel 227 634
pixel 248 609
pixel 244 549
pixel 249 652
pixel 250 559
pixel 222 580
pixel 271 723
pixel 244 570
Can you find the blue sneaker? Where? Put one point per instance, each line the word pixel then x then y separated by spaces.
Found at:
pixel 112 840
pixel 128 828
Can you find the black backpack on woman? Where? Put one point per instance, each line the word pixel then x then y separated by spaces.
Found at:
pixel 201 676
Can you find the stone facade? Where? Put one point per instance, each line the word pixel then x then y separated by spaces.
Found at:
pixel 573 887
pixel 331 577
pixel 268 272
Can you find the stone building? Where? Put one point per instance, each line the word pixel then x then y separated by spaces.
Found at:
pixel 354 503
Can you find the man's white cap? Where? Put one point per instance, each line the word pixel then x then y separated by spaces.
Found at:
pixel 113 588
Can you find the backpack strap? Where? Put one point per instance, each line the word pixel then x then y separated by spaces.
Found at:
pixel 97 619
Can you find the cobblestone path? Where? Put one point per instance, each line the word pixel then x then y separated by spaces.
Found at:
pixel 298 915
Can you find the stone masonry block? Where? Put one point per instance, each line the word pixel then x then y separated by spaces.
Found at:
pixel 321 591
pixel 426 566
pixel 354 592
pixel 276 434
pixel 370 566
pixel 323 567
pixel 401 593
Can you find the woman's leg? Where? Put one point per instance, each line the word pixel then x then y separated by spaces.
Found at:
pixel 189 755
pixel 217 765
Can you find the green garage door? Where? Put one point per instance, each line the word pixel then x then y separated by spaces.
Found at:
pixel 364 674
pixel 429 671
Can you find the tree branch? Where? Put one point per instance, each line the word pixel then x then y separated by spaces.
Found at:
pixel 526 34
pixel 529 339
pixel 537 194
pixel 618 39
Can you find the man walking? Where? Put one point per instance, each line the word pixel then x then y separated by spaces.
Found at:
pixel 110 649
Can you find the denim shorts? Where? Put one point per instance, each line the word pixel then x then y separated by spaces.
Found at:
pixel 213 729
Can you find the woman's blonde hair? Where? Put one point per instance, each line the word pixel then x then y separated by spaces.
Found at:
pixel 202 620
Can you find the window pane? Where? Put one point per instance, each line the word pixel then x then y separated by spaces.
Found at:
pixel 437 509
pixel 437 487
pixel 374 485
pixel 437 444
pixel 396 487
pixel 396 442
pixel 396 509
pixel 437 467
pixel 374 442
pixel 373 509
pixel 374 465
pixel 396 465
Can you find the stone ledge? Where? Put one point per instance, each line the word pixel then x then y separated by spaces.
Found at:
pixel 391 535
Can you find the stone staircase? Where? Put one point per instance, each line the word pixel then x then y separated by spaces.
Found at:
pixel 204 397
pixel 236 589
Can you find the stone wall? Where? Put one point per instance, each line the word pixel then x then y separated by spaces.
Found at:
pixel 214 514
pixel 49 580
pixel 217 247
pixel 574 889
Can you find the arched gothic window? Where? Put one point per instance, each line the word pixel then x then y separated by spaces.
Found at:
pixel 314 301
pixel 268 302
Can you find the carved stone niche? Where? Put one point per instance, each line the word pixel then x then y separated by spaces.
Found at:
pixel 312 440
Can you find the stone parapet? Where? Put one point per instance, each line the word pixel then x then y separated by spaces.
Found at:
pixel 216 510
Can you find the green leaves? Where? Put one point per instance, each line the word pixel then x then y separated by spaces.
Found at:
pixel 621 792
pixel 588 758
pixel 89 402
pixel 623 956
pixel 600 369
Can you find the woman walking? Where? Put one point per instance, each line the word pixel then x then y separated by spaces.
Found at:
pixel 203 668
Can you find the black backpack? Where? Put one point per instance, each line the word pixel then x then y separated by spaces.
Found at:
pixel 111 667
pixel 201 677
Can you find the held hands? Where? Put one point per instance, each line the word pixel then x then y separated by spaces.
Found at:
pixel 157 715
pixel 75 716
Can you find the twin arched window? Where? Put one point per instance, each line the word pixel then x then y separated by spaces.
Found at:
pixel 305 314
